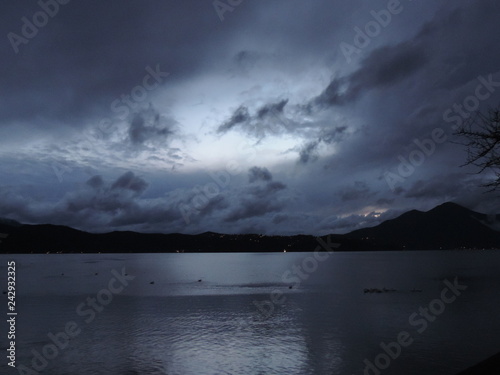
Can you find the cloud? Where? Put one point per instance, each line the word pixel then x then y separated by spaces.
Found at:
pixel 113 199
pixel 267 190
pixel 148 125
pixel 358 190
pixel 129 181
pixel 384 202
pixel 271 109
pixel 98 205
pixel 259 174
pixel 383 67
pixel 250 209
pixel 95 182
pixel 309 152
pixel 269 119
pixel 272 74
pixel 260 199
pixel 94 66
pixel 330 136
pixel 446 187
pixel 240 116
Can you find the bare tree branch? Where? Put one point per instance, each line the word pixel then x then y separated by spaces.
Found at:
pixel 481 134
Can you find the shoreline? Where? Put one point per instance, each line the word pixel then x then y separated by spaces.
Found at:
pixel 489 366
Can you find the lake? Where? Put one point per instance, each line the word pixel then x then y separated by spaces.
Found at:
pixel 253 313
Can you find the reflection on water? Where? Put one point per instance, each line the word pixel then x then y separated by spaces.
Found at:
pixel 200 316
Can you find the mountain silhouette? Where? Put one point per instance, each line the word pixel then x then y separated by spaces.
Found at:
pixel 447 226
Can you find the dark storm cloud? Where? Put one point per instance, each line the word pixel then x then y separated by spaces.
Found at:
pixel 384 66
pixel 93 53
pixel 146 126
pixel 449 187
pixel 329 136
pixel 259 174
pixel 309 151
pixel 384 202
pixel 268 119
pixel 215 204
pixel 95 182
pixel 391 112
pixel 461 42
pixel 99 205
pixel 267 190
pixel 119 195
pixel 353 128
pixel 253 208
pixel 131 182
pixel 240 116
pixel 279 218
pixel 271 109
pixel 246 60
pixel 14 205
pixel 358 190
pixel 261 198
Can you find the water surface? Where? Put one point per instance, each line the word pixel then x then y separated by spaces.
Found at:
pixel 167 321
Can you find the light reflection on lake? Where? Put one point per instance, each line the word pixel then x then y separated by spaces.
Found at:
pixel 196 313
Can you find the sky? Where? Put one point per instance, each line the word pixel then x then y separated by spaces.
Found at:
pixel 235 116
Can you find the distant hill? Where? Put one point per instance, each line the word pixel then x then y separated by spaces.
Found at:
pixel 448 226
pixel 60 239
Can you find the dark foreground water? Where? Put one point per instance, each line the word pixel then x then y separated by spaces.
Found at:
pixel 151 315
